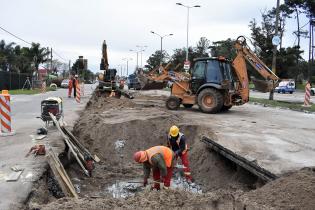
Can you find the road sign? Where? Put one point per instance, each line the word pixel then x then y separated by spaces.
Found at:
pixel 187 65
pixel 276 40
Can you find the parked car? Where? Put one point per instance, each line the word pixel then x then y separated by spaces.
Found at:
pixel 312 91
pixel 287 86
pixel 65 83
pixel 133 82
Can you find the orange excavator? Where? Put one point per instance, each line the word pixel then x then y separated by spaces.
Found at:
pixel 217 84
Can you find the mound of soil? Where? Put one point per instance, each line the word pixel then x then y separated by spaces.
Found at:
pixel 292 191
pixel 171 199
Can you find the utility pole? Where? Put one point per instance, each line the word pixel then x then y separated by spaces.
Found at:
pixel 311 49
pixel 51 63
pixel 274 52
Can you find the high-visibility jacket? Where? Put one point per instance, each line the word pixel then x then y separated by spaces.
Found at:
pixel 166 152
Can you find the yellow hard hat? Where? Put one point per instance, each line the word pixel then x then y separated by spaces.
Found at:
pixel 174 130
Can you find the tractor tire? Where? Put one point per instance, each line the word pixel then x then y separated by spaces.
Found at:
pixel 225 108
pixel 188 105
pixel 172 103
pixel 210 100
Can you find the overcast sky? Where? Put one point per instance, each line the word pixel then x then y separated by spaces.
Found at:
pixel 78 27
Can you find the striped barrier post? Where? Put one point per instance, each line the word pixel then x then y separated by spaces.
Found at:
pixel 5 114
pixel 44 87
pixel 307 98
pixel 82 89
pixel 78 96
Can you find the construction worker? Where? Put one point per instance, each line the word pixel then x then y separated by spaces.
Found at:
pixel 177 142
pixel 161 160
pixel 70 86
pixel 75 82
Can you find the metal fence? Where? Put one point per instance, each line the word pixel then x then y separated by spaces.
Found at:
pixel 12 80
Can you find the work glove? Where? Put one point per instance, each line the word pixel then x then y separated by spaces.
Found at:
pixel 145 182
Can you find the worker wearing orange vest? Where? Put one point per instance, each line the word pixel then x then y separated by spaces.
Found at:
pixel 161 160
pixel 177 142
pixel 70 86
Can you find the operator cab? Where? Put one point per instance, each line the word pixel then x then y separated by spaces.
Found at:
pixel 215 72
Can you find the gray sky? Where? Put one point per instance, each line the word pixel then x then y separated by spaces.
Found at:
pixel 78 27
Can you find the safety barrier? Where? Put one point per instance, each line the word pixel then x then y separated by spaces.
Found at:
pixel 307 98
pixel 78 94
pixel 5 114
pixel 43 89
pixel 82 89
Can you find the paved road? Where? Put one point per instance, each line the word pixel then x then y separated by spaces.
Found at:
pixel 297 96
pixel 25 109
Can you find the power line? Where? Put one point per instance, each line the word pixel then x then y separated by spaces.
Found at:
pixel 54 51
pixel 29 42
pixel 15 35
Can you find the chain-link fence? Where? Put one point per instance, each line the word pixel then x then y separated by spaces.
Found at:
pixel 12 80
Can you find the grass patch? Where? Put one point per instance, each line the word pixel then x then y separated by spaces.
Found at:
pixel 282 104
pixel 28 92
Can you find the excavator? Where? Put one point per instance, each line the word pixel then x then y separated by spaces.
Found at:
pixel 217 84
pixel 108 85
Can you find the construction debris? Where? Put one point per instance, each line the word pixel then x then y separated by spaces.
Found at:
pixel 14 176
pixel 38 149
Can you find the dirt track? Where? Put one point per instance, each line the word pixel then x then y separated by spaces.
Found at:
pixel 115 128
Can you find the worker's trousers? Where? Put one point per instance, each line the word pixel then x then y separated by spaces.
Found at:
pixel 69 91
pixel 185 162
pixel 157 178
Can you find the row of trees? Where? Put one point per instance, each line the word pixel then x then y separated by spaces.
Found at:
pixel 290 64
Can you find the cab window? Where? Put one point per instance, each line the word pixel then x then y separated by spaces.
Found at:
pixel 199 70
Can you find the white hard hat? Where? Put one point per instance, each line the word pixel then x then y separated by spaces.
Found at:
pixel 76 75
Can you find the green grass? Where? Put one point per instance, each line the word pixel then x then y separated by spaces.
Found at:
pixel 283 104
pixel 300 86
pixel 27 92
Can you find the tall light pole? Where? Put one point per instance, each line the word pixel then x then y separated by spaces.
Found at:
pixel 188 7
pixel 275 44
pixel 137 52
pixel 127 59
pixel 161 43
pixel 142 49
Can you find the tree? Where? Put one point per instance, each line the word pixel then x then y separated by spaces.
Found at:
pixel 223 48
pixel 202 47
pixel 155 59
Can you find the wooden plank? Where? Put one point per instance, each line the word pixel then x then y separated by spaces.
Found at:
pixel 79 145
pixel 14 176
pixel 61 175
pixel 66 138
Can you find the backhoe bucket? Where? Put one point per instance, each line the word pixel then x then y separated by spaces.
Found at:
pixel 147 84
pixel 263 85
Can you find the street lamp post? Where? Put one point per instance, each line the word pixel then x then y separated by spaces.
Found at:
pixel 142 49
pixel 137 52
pixel 127 59
pixel 161 42
pixel 188 7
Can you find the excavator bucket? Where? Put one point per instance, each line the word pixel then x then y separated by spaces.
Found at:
pixel 263 85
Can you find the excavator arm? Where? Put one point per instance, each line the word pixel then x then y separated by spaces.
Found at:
pixel 245 54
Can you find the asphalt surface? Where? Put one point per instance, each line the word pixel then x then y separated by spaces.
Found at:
pixel 297 96
pixel 25 109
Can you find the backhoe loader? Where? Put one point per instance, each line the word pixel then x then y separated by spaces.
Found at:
pixel 217 84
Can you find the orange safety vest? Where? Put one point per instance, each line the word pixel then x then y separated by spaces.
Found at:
pixel 166 152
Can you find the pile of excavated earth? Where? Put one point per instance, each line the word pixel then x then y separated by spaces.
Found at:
pixel 115 128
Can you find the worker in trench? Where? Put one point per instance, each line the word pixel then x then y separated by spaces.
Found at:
pixel 161 160
pixel 177 142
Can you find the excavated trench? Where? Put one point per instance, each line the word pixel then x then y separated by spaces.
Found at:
pixel 114 129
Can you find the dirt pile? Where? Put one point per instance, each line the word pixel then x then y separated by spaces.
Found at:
pixel 292 191
pixel 171 199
